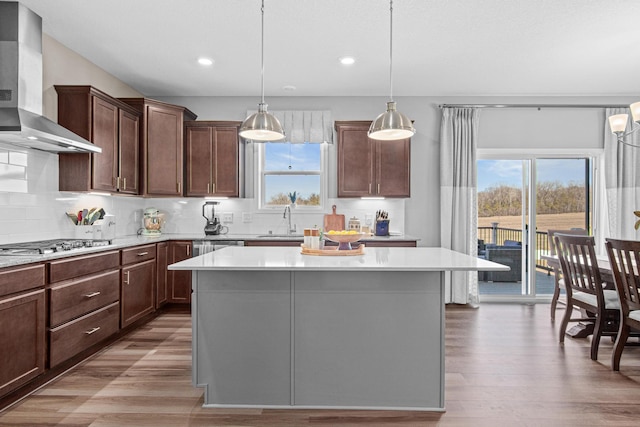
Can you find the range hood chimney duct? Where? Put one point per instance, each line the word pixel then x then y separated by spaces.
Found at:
pixel 21 120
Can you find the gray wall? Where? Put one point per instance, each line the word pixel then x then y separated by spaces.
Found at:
pixel 531 128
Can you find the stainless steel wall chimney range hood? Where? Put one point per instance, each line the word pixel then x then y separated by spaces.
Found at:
pixel 21 120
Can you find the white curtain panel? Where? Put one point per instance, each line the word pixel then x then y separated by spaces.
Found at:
pixel 304 126
pixel 458 207
pixel 622 180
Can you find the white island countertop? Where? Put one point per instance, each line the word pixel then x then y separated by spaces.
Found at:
pixel 373 259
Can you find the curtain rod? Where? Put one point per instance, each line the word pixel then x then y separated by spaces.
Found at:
pixel 529 106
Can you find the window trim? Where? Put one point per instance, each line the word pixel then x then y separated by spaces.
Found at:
pixel 261 173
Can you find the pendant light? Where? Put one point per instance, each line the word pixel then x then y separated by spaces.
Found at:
pixel 618 124
pixel 392 124
pixel 261 126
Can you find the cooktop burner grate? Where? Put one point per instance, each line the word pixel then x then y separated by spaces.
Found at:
pixel 50 246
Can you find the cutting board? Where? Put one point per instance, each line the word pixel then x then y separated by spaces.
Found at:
pixel 333 221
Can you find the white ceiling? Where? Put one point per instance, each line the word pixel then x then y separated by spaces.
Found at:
pixel 441 47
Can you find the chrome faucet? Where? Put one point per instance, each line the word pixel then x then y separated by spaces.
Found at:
pixel 290 230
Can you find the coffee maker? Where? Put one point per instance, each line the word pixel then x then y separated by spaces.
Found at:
pixel 213 226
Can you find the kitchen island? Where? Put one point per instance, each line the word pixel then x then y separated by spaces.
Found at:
pixel 275 328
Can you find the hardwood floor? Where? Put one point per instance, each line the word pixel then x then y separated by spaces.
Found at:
pixel 504 367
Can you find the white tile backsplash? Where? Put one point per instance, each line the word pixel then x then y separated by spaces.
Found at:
pixel 39 211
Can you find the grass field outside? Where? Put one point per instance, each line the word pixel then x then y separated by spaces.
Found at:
pixel 543 222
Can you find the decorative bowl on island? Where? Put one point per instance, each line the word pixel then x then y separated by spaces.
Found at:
pixel 344 238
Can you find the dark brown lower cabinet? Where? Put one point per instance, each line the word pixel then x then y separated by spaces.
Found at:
pixel 137 283
pixel 22 339
pixel 78 335
pixel 179 283
pixel 84 307
pixel 162 261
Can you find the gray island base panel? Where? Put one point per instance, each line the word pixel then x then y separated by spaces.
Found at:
pixel 273 328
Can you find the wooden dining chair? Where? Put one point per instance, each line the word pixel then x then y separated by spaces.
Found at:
pixel 557 271
pixel 584 288
pixel 624 257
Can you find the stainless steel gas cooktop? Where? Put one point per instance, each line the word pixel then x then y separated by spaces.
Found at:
pixel 50 246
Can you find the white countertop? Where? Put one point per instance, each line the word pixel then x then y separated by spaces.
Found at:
pixel 134 240
pixel 374 259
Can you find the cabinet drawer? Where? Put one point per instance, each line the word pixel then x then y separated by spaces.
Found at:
pixel 73 299
pixel 20 279
pixel 71 338
pixel 77 266
pixel 138 254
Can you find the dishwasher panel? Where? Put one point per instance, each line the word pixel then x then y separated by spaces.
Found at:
pixel 201 247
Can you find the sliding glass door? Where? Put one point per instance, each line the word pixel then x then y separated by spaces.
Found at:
pixel 518 201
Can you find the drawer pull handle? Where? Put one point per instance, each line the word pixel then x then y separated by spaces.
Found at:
pixel 93 294
pixel 91 331
pixel 126 281
pixel 143 253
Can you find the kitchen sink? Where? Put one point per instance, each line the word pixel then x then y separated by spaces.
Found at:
pixel 279 236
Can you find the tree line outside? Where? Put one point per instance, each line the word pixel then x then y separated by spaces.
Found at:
pixel 283 199
pixel 553 197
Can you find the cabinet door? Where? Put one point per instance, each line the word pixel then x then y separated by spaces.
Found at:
pixel 162 261
pixel 22 339
pixel 137 297
pixel 392 168
pixel 225 162
pixel 164 151
pixel 179 281
pixel 129 153
pixel 355 162
pixel 199 161
pixel 104 134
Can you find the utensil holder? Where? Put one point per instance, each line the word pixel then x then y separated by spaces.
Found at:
pixel 382 227
pixel 84 232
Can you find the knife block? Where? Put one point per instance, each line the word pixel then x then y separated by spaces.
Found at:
pixel 382 227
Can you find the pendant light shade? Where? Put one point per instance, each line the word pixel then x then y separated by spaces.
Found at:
pixel 391 124
pixel 261 126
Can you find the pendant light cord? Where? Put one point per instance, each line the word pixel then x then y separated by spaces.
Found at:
pixel 391 50
pixel 262 56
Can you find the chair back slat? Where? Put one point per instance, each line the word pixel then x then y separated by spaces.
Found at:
pixel 624 257
pixel 551 233
pixel 579 265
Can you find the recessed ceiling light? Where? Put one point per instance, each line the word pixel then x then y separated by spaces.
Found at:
pixel 347 60
pixel 205 62
pixel 289 88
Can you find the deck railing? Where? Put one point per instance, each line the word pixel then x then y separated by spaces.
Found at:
pixel 497 235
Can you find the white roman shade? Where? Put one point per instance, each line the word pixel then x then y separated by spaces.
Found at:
pixel 304 126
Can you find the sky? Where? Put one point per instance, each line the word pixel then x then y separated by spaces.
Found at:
pixel 294 157
pixel 493 173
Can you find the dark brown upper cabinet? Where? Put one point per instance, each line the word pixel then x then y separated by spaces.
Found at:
pixel 111 125
pixel 162 142
pixel 212 158
pixel 368 167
